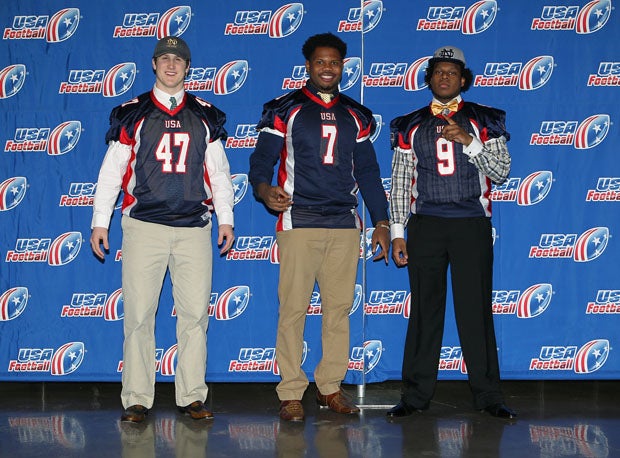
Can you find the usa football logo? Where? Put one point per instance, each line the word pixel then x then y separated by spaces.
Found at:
pixel 534 188
pixel 114 307
pixel 232 302
pixel 67 358
pixel 62 25
pixel 174 22
pixel 12 192
pixel 230 77
pixel 65 248
pixel 536 73
pixel 240 186
pixel 64 138
pixel 591 356
pixel 362 19
pixel 414 78
pixel 593 16
pixel 351 71
pixel 119 79
pixel 373 349
pixel 592 131
pixel 286 20
pixel 11 80
pixel 534 300
pixel 591 244
pixel 13 302
pixel 479 17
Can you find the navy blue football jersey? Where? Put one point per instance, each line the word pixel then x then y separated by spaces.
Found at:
pixel 445 182
pixel 325 153
pixel 166 180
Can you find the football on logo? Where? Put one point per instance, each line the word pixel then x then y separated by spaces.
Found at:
pixel 62 25
pixel 67 358
pixel 536 73
pixel 169 361
pixel 366 244
pixel 592 356
pixel 11 80
pixel 357 298
pixel 231 77
pixel 65 248
pixel 534 300
pixel 119 79
pixel 534 188
pixel 479 17
pixel 379 123
pixel 592 131
pixel 407 307
pixel 240 186
pixel 371 14
pixel 372 354
pixel 286 20
pixel 591 244
pixel 13 302
pixel 12 192
pixel 414 78
pixel 114 307
pixel 351 71
pixel 232 302
pixel 274 253
pixel 174 22
pixel 593 16
pixel 64 138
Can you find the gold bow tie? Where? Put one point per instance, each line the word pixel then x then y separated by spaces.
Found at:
pixel 437 108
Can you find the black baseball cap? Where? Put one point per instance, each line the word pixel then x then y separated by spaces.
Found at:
pixel 172 45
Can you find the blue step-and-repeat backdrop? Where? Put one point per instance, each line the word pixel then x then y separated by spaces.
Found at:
pixel 553 66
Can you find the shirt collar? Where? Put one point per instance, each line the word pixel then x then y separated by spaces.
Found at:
pixel 314 90
pixel 164 98
pixel 458 98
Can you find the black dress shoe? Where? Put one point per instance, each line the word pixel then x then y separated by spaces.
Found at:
pixel 402 409
pixel 500 410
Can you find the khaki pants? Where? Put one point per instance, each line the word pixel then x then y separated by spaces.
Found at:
pixel 148 251
pixel 329 257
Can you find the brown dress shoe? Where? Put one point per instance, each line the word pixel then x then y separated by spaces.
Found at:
pixel 291 411
pixel 338 402
pixel 135 413
pixel 197 411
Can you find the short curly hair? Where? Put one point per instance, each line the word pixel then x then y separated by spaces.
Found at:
pixel 328 40
pixel 465 72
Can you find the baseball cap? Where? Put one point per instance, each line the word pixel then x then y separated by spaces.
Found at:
pixel 172 45
pixel 449 54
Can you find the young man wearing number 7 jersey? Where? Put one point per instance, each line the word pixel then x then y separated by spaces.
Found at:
pixel 321 138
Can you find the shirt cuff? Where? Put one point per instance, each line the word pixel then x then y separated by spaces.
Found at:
pixel 474 148
pixel 397 231
pixel 100 220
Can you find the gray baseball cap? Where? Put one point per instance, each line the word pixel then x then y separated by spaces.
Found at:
pixel 172 45
pixel 449 54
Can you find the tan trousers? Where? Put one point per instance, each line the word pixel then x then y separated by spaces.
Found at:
pixel 329 257
pixel 148 251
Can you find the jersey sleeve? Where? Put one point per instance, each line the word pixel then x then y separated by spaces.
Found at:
pixel 401 126
pixel 215 117
pixel 493 120
pixel 275 112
